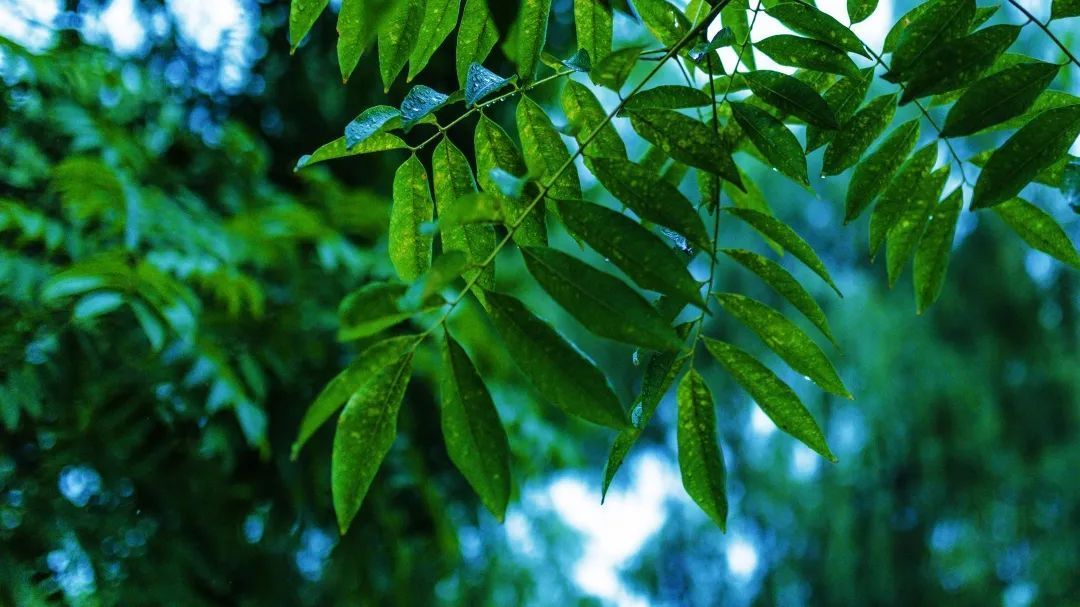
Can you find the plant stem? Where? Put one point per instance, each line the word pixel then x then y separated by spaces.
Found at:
pixel 545 188
pixel 1046 29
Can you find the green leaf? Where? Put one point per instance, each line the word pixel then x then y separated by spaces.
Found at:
pixel 779 232
pixel 943 20
pixel 663 20
pixel 358 24
pixel 453 180
pixel 701 51
pixel 1036 146
pixel 358 374
pixel 445 269
pixel 336 149
pixel 474 208
pixel 477 35
pixel 370 122
pixel 904 236
pixel 666 97
pixel 956 63
pixel 475 438
pixel 786 339
pixel 781 281
pixel 1039 230
pixel 898 194
pixel 734 17
pixel 365 432
pixel 585 115
pixel 373 308
pixel 580 61
pixel 687 140
pixel 892 39
pixel 860 10
pixel 593 24
pixel 661 371
pixel 873 174
pixel 419 103
pixel 531 36
pixel 495 150
pixel 858 134
pixel 605 305
pixel 546 155
pixel 932 254
pixel 772 394
pixel 440 17
pixel 807 20
pixel 772 139
pixel 558 371
pixel 807 53
pixel 410 248
pixel 1061 9
pixel 302 15
pixel 644 256
pixel 480 83
pixel 998 97
pixel 843 98
pixel 700 459
pixel 792 96
pixel 652 198
pixel 398 37
pixel 612 70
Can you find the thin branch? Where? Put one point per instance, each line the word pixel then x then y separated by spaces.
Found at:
pixel 545 188
pixel 926 113
pixel 1046 29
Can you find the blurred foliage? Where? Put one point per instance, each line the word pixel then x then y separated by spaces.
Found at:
pixel 168 295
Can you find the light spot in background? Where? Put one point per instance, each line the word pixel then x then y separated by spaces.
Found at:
pixel 742 558
pixel 29 22
pixel 79 484
pixel 72 569
pixel 1040 267
pixel 847 431
pixel 616 531
pixel 118 26
pixel 804 462
pixel 760 424
pixel 1020 594
pixel 315 547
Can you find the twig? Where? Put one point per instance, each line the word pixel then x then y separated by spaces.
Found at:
pixel 1046 29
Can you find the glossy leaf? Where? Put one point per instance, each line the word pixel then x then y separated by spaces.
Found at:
pixel 410 247
pixel 602 303
pixel 858 134
pixel 1039 144
pixel 1062 9
pixel 370 122
pixel 700 460
pixel 651 197
pixel 781 281
pixel 956 63
pixel 687 140
pixel 642 255
pixel 772 139
pixel 358 24
pixel 593 24
pixel 359 373
pixel 495 150
pixel 786 339
pixel 440 17
pixel 546 155
pixel 873 174
pixel 892 39
pixel 371 309
pixel 365 432
pixel 935 248
pixel 998 97
pixel 792 96
pixel 807 20
pixel 419 103
pixel 734 17
pixel 398 37
pixel 452 179
pixel 898 194
pixel 612 70
pixel 337 149
pixel 1039 230
pixel 843 98
pixel 531 36
pixel 476 37
pixel 943 20
pixel 807 53
pixel 663 20
pixel 775 397
pixel 585 115
pixel 558 371
pixel 780 233
pixel 480 83
pixel 445 269
pixel 302 15
pixel 475 438
pixel 666 97
pixel 904 236
pixel 860 10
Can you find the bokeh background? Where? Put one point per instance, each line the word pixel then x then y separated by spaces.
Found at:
pixel 144 430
